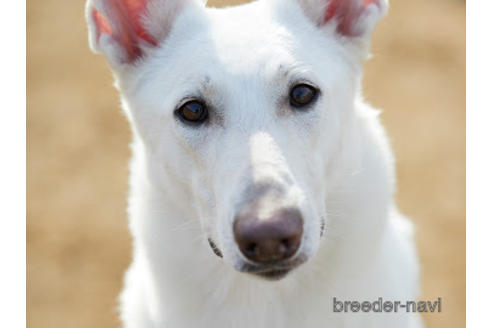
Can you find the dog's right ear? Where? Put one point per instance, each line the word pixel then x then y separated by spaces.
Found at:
pixel 123 30
pixel 351 20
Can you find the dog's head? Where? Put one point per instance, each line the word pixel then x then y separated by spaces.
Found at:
pixel 249 110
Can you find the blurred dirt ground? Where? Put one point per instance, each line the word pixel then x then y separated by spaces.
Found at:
pixel 78 244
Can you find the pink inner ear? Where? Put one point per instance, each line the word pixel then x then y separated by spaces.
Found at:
pixel 123 24
pixel 101 23
pixel 347 13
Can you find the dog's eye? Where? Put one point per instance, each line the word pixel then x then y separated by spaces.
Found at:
pixel 302 95
pixel 193 111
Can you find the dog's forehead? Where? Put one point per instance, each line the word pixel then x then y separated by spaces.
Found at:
pixel 247 37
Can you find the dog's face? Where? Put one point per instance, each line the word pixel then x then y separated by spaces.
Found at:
pixel 244 111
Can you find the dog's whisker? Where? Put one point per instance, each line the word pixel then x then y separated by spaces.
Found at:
pixel 200 237
pixel 187 225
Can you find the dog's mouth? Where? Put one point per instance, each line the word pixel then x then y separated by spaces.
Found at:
pixel 268 272
pixel 272 271
pixel 273 274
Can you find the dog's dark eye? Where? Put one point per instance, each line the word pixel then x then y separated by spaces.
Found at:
pixel 302 95
pixel 193 111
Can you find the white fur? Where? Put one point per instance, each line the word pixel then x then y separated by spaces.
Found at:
pixel 333 162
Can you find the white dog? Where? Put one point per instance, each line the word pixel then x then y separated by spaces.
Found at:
pixel 261 189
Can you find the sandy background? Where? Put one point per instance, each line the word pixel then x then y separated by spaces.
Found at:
pixel 78 244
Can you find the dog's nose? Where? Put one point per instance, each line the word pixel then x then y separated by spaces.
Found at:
pixel 269 240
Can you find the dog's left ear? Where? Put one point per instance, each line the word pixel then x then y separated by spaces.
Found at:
pixel 354 20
